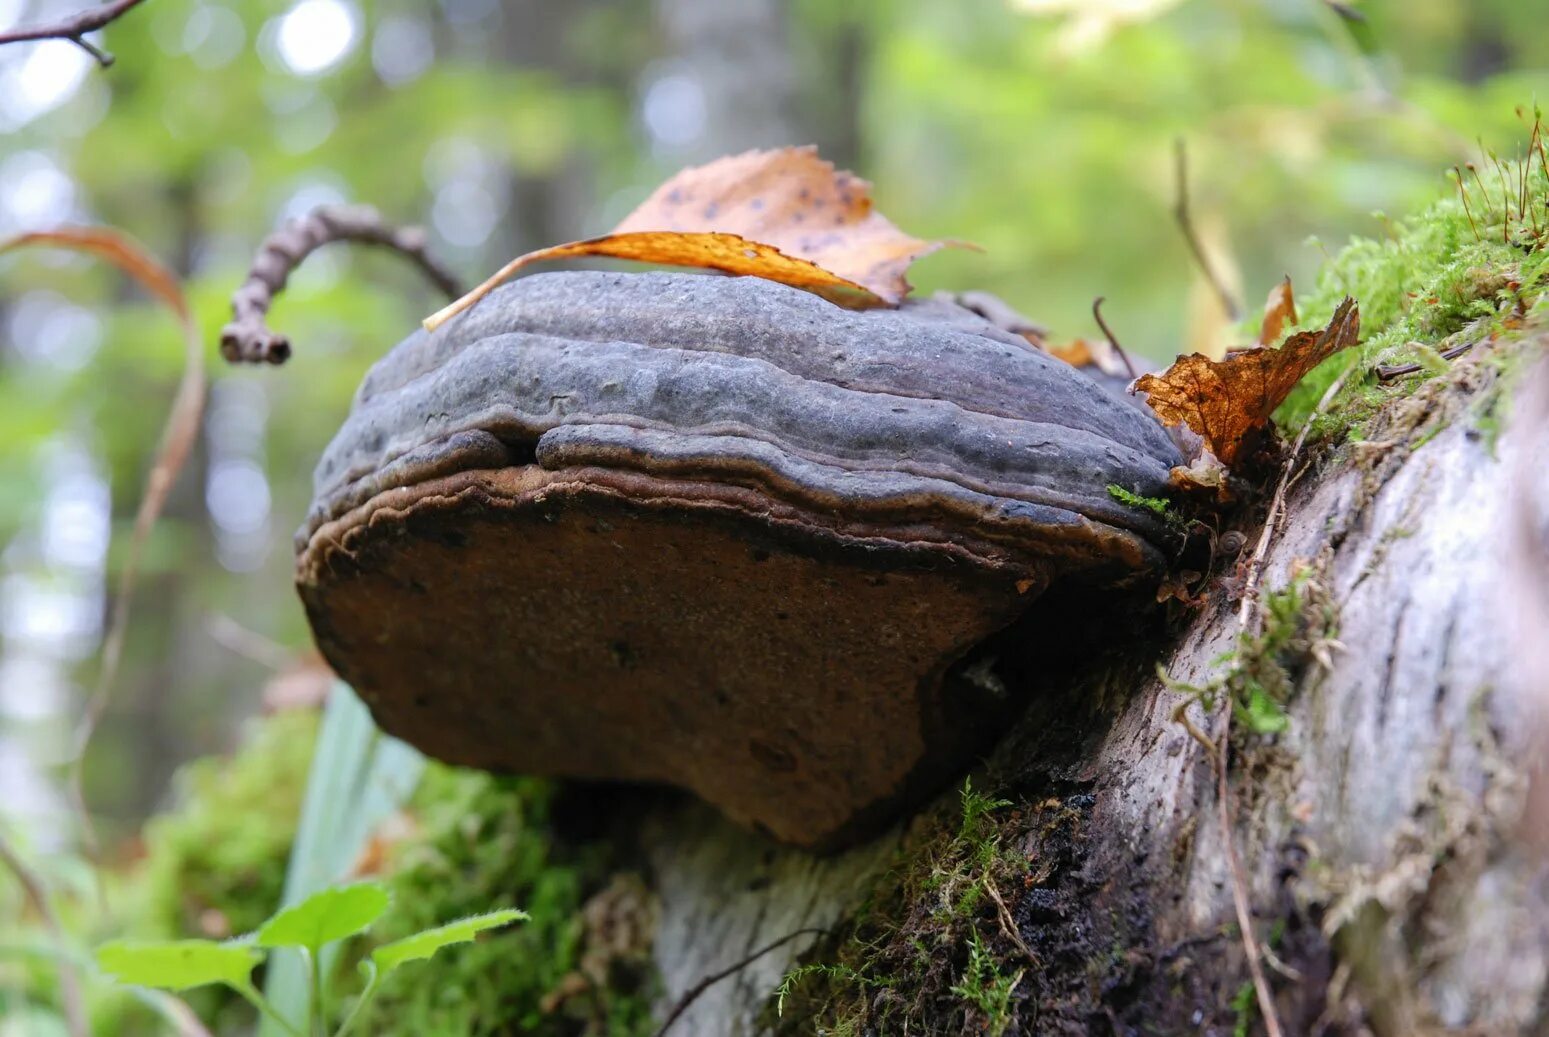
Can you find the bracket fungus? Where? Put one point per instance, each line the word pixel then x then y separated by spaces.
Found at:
pixel 713 532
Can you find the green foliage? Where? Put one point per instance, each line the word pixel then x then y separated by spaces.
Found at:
pixel 179 964
pixel 215 862
pixel 986 988
pixel 358 779
pixel 424 944
pixel 326 917
pixel 477 843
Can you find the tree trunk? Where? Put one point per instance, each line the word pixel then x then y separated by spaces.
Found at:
pixel 1380 833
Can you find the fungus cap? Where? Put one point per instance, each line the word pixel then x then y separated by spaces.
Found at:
pixel 712 532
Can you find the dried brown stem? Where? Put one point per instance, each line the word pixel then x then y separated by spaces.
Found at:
pixel 75 28
pixel 1183 215
pixel 248 338
pixel 178 434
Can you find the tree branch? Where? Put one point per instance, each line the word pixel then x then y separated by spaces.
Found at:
pixel 75 27
pixel 248 338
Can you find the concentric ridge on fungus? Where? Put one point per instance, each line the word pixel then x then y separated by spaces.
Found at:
pixel 714 532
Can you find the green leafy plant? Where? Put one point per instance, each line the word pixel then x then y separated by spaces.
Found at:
pixel 327 917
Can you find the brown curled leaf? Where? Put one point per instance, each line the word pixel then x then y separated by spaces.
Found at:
pixel 1225 400
pixel 177 439
pixel 784 215
pixel 1279 311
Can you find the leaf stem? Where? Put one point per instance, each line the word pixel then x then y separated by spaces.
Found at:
pixel 365 997
pixel 319 1003
pixel 258 1001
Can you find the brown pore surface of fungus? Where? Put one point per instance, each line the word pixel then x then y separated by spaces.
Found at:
pixel 715 533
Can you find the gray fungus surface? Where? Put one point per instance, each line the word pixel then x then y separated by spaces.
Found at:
pixel 713 532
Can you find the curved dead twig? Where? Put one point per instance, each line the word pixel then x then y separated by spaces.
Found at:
pixel 248 338
pixel 75 28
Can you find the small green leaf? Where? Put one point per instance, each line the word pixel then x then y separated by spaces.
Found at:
pixel 178 964
pixel 327 915
pixel 1265 715
pixel 422 945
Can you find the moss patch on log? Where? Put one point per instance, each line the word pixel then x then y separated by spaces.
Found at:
pixel 1468 270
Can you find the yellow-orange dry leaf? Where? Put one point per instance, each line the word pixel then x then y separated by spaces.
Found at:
pixel 1279 310
pixel 1096 352
pixel 1077 352
pixel 785 215
pixel 1224 400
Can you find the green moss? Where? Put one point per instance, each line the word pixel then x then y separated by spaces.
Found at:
pixel 1450 274
pixel 986 988
pixel 929 932
pixel 484 843
pixel 1246 1006
pixel 1156 505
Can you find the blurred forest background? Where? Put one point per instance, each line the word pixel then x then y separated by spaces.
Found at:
pixel 1041 130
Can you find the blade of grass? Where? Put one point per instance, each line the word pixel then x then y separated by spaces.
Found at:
pixel 359 777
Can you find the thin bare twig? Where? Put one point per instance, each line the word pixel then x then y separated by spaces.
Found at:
pixel 1097 315
pixel 692 993
pixel 1182 214
pixel 1387 372
pixel 248 338
pixel 249 644
pixel 69 982
pixel 75 28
